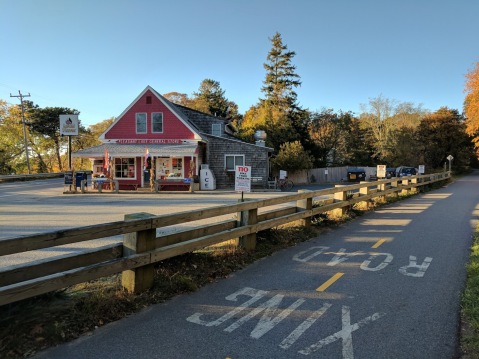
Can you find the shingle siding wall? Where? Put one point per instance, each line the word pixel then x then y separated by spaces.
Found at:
pixel 203 121
pixel 255 156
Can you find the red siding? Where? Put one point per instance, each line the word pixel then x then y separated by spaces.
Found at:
pixel 173 128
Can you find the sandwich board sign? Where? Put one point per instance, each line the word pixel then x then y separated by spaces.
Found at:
pixel 243 179
pixel 381 171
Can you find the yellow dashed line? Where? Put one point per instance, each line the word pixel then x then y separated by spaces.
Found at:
pixel 330 281
pixel 381 241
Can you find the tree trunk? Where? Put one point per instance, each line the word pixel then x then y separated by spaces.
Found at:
pixel 57 149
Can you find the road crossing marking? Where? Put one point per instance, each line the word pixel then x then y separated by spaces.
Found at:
pixel 378 243
pixel 330 281
pixel 345 334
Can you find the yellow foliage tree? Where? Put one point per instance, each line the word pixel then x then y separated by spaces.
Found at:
pixel 471 104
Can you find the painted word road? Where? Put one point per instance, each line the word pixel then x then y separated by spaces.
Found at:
pixel 271 316
pixel 411 267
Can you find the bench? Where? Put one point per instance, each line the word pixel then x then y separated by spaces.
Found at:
pixel 256 180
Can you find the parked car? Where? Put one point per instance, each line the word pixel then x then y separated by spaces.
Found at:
pixel 405 171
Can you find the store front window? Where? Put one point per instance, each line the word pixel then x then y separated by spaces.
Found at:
pixel 170 168
pixel 177 166
pixel 125 167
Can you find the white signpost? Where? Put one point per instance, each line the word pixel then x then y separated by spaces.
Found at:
pixel 282 174
pixel 243 179
pixel 450 158
pixel 381 171
pixel 421 169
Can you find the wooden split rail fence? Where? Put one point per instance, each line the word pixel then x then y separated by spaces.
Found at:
pixel 141 247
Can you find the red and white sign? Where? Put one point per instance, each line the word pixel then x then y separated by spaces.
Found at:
pixel 381 171
pixel 243 179
pixel 421 169
pixel 157 141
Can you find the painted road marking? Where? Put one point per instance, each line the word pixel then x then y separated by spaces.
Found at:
pixel 254 293
pixel 267 322
pixel 382 265
pixel 345 334
pixel 342 256
pixel 295 334
pixel 330 281
pixel 421 269
pixel 378 243
pixel 272 316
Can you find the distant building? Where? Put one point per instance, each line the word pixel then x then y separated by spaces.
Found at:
pixel 174 135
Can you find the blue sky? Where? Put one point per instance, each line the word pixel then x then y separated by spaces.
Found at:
pixel 97 56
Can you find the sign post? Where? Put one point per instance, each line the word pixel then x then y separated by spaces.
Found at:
pixel 69 127
pixel 326 174
pixel 243 179
pixel 450 158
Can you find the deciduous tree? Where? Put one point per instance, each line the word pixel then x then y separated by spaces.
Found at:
pixel 292 157
pixel 471 103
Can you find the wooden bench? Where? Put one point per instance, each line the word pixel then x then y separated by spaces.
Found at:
pixel 256 180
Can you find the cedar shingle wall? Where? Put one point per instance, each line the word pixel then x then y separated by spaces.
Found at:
pixel 255 156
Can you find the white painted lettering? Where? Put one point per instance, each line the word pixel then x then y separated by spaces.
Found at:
pixel 267 321
pixel 382 265
pixel 296 256
pixel 255 295
pixel 295 334
pixel 421 269
pixel 341 256
pixel 345 334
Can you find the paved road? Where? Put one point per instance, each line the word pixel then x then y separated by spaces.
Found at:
pixel 39 206
pixel 399 272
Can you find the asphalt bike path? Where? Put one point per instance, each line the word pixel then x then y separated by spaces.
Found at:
pixel 386 285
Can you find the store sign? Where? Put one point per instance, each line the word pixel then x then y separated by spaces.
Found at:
pixel 381 171
pixel 69 177
pixel 243 179
pixel 69 125
pixel 149 141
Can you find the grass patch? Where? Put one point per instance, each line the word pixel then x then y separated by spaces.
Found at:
pixel 35 324
pixel 470 303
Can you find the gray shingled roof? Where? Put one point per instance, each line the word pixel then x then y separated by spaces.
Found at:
pixel 118 150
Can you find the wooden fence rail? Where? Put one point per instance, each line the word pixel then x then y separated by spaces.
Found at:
pixel 141 248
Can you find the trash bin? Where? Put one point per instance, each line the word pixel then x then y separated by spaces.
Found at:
pixel 356 174
pixel 80 176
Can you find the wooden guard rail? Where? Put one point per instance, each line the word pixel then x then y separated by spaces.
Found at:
pixel 141 248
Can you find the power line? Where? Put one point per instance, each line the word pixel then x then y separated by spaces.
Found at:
pixel 24 129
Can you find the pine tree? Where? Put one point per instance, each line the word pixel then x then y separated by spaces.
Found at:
pixel 281 78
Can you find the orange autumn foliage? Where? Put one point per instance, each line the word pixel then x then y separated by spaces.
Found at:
pixel 471 103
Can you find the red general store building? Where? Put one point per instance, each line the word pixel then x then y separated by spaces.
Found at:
pixel 174 137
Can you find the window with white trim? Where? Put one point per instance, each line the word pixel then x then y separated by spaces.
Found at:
pixel 177 167
pixel 231 161
pixel 141 123
pixel 216 129
pixel 125 167
pixel 157 122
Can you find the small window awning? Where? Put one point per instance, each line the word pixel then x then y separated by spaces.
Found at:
pixel 138 150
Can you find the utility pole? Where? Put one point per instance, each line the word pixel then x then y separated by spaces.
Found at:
pixel 24 129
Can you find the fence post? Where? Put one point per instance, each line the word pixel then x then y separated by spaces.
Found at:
pixel 100 186
pixel 364 191
pixel 138 279
pixel 382 188
pixel 340 196
pixel 304 205
pixel 245 218
pixel 394 184
pixel 405 182
pixel 414 181
pixel 156 186
pixel 83 186
pixel 117 186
